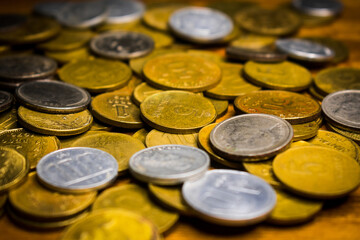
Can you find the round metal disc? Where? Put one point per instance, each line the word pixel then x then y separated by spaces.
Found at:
pixel 321 8
pixel 6 100
pixel 122 11
pixel 243 54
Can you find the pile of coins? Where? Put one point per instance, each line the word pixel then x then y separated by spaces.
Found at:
pixel 114 113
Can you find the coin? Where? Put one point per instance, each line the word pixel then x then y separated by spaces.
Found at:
pixel 49 9
pixel 281 76
pixel 142 91
pixel 243 54
pixel 263 170
pixel 134 198
pixel 349 134
pixel 123 11
pixel 318 7
pixel 141 135
pixel 315 93
pixel 155 138
pixel 8 119
pixel 177 111
pixel 64 57
pixel 161 39
pixel 253 41
pixel 230 197
pixel 306 130
pixel 11 21
pixel 293 107
pixel 182 71
pixel 52 96
pixel 221 106
pixel 67 142
pixel 209 55
pixel 6 101
pixel 251 137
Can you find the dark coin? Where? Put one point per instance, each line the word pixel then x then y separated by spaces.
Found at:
pixel 11 21
pixel 49 9
pixel 266 55
pixel 321 8
pixel 53 96
pixel 6 100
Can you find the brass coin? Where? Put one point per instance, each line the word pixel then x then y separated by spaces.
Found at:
pixel 141 135
pixel 253 41
pixel 155 138
pixel 96 75
pixel 208 55
pixel 317 172
pixel 55 124
pixel 66 142
pixel 136 199
pixel 129 88
pixel 349 134
pixel 161 39
pixel 306 130
pixel 64 57
pixel 142 91
pixel 263 170
pixel 299 144
pixel 281 76
pixel 221 106
pixel 314 93
pixel 8 119
pixel 182 71
pixel 177 111
pixel 293 107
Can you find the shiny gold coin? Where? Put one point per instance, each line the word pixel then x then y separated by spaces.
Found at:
pixel 254 41
pixel 293 107
pixel 116 110
pixel 306 130
pixel 64 57
pixel 290 209
pixel 155 138
pixel 55 124
pixel 349 134
pixel 13 168
pixel 221 106
pixel 209 55
pixel 161 39
pixel 182 71
pixel 136 199
pixel 96 75
pixel 177 111
pixel 8 119
pixel 32 146
pixel 232 83
pixel 67 142
pixel 120 146
pixel 317 172
pixel 141 135
pixel 142 91
pixel 263 170
pixel 282 76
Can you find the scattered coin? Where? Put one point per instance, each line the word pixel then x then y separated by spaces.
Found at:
pixel 263 170
pixel 6 101
pixel 123 11
pixel 64 57
pixel 221 106
pixel 8 119
pixel 253 41
pixel 141 135
pixel 349 134
pixel 319 7
pixel 142 91
pixel 161 39
pixel 244 54
pixel 306 130
pixel 49 9
pixel 155 138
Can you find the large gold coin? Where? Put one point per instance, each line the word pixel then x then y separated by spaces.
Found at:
pixel 8 119
pixel 55 124
pixel 182 71
pixel 293 107
pixel 306 130
pixel 177 111
pixel 221 106
pixel 96 75
pixel 136 199
pixel 155 138
pixel 317 172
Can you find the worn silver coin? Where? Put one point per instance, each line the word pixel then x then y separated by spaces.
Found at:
pixel 6 101
pixel 78 169
pixel 230 197
pixel 122 11
pixel 320 8
pixel 200 24
pixel 169 164
pixel 342 109
pixel 251 137
pixel 122 45
pixel 52 96
pixel 49 9
pixel 265 55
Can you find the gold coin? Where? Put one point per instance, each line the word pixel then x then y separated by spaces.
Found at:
pixel 263 170
pixel 129 88
pixel 306 130
pixel 96 75
pixel 32 199
pixel 32 146
pixel 161 39
pixel 55 124
pixel 120 146
pixel 232 83
pixel 221 106
pixel 315 93
pixel 116 110
pixel 99 126
pixel 155 138
pixel 182 71
pixel 136 199
pixel 293 107
pixel 67 142
pixel 282 76
pixel 13 168
pixel 208 55
pixel 317 172
pixel 177 111
pixel 8 119
pixel 68 56
pixel 141 135
pixel 299 144
pixel 254 41
pixel 142 91
pixel 349 134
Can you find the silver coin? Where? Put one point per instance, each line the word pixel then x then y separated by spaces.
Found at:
pixel 342 109
pixel 6 100
pixel 122 45
pixel 230 197
pixel 78 169
pixel 122 11
pixel 321 8
pixel 251 137
pixel 53 96
pixel 200 24
pixel 305 50
pixel 49 9
pixel 169 164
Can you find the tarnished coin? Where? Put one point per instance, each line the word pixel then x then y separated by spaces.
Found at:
pixel 244 54
pixel 9 22
pixel 293 107
pixel 155 138
pixel 317 172
pixel 169 164
pixel 52 96
pixel 253 41
pixel 322 8
pixel 6 100
pixel 122 45
pixel 306 130
pixel 230 197
pixel 161 39
pixel 123 11
pixel 264 170
pixel 49 9
pixel 251 137
pixel 8 119
pixel 77 169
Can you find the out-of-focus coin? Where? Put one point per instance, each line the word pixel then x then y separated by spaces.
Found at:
pixel 293 107
pixel 64 57
pixel 349 134
pixel 155 138
pixel 77 169
pixel 161 39
pixel 142 91
pixel 8 119
pixel 317 172
pixel 215 198
pixel 315 93
pixel 136 199
pixel 229 7
pixel 141 135
pixel 129 88
pixel 280 76
pixel 123 11
pixel 306 130
pixel 263 170
pixel 66 142
pixel 177 111
pixel 251 137
pixel 6 100
pixel 221 106
pixel 243 54
pixel 209 55
pixel 322 8
pixel 252 41
pixel 9 22
pixel 49 9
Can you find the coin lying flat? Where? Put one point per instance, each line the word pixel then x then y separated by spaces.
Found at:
pixel 6 101
pixel 319 7
pixel 355 136
pixel 253 41
pixel 123 11
pixel 221 106
pixel 306 130
pixel 64 57
pixel 263 170
pixel 155 138
pixel 230 197
pixel 244 54
pixel 141 135
pixel 142 91
pixel 251 137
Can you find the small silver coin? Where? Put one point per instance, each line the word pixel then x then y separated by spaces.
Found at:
pixel 305 50
pixel 49 9
pixel 251 137
pixel 122 45
pixel 200 24
pixel 52 96
pixel 230 197
pixel 10 22
pixel 243 54
pixel 6 100
pixel 342 109
pixel 320 8
pixel 122 11
pixel 78 169
pixel 169 164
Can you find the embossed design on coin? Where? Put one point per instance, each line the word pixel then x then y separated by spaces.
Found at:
pixel 6 101
pixel 123 11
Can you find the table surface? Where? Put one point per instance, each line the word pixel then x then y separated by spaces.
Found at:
pixel 339 219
